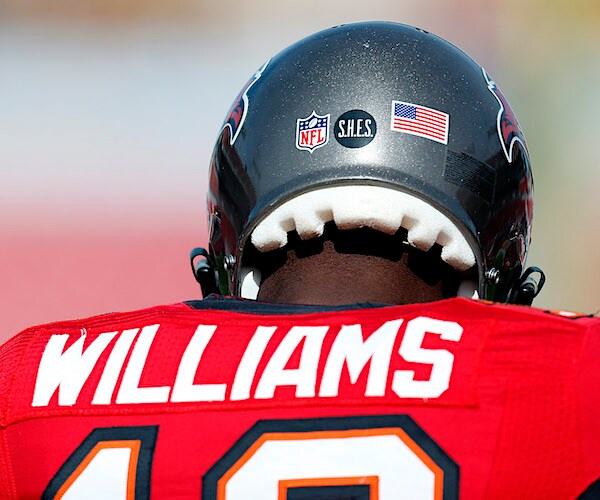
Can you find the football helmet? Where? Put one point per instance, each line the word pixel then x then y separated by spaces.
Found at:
pixel 379 125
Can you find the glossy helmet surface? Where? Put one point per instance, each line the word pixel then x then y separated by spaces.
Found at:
pixel 282 139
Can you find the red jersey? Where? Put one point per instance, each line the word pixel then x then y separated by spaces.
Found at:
pixel 227 399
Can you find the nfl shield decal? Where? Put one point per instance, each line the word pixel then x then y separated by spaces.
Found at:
pixel 312 132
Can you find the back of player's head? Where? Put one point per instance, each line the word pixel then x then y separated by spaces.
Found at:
pixel 371 125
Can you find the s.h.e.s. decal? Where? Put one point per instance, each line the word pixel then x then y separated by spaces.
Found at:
pixel 355 129
pixel 509 130
pixel 239 110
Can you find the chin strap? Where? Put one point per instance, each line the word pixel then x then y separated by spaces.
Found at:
pixel 204 271
pixel 528 287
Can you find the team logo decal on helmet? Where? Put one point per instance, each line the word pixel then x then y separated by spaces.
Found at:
pixel 355 129
pixel 509 130
pixel 239 110
pixel 418 120
pixel 312 132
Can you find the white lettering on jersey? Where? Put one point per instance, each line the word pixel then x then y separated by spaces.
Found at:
pixel 114 365
pixel 67 370
pixel 130 391
pixel 350 348
pixel 249 363
pixel 305 376
pixel 184 389
pixel 441 361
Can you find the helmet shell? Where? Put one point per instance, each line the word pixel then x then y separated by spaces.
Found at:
pixel 479 177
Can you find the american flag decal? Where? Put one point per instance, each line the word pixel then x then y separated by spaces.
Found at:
pixel 419 120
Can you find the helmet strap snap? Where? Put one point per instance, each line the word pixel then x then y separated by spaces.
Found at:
pixel 204 271
pixel 528 286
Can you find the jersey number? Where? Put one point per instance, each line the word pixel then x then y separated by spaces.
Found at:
pixel 112 462
pixel 361 458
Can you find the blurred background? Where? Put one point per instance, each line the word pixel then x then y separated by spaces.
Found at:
pixel 109 110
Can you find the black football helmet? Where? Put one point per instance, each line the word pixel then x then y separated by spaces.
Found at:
pixel 372 124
